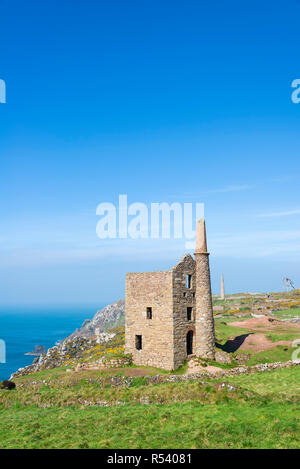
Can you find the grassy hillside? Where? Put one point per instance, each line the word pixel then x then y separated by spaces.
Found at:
pixel 172 426
pixel 143 407
pixel 253 411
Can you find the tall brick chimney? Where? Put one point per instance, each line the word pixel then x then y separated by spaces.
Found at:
pixel 222 288
pixel 205 331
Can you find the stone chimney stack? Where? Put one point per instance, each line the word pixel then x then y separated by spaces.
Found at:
pixel 204 324
pixel 222 288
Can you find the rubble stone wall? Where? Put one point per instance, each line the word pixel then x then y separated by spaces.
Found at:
pixel 154 290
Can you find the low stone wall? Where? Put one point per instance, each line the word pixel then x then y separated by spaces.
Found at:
pixel 126 381
pixel 104 363
pixel 224 373
pixel 155 379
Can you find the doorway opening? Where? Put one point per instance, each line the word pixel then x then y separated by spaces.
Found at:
pixel 189 342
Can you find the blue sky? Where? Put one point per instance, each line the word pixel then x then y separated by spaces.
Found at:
pixel 165 101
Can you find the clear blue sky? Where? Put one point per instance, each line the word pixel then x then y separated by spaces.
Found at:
pixel 161 100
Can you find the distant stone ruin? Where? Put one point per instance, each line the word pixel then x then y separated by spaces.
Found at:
pixel 222 288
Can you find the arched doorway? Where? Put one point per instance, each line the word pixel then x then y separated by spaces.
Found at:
pixel 189 342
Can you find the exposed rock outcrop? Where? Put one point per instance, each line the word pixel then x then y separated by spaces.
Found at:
pixel 223 357
pixel 59 355
pixel 112 315
pixel 38 350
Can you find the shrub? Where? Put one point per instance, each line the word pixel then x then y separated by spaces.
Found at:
pixel 7 385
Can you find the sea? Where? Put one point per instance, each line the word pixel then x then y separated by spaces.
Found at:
pixel 23 328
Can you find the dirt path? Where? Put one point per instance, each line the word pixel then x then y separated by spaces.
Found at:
pixel 265 323
pixel 194 367
pixel 259 343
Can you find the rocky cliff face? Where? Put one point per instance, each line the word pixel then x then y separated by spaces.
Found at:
pixel 77 346
pixel 111 316
pixel 62 354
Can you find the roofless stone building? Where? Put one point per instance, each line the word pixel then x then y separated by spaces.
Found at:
pixel 169 314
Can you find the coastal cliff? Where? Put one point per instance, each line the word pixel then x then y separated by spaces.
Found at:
pixel 82 345
pixel 112 315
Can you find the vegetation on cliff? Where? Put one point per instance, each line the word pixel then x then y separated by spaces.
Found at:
pixel 79 350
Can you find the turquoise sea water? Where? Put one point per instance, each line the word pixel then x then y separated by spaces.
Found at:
pixel 22 329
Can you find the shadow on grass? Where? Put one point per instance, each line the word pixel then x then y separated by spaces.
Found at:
pixel 232 345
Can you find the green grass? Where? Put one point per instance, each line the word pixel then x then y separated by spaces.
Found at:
pixel 154 371
pixel 87 390
pixel 284 336
pixel 55 409
pixel 217 302
pixel 225 332
pixel 294 312
pixel 280 353
pixel 190 425
pixel 278 383
pixel 223 366
pixel 44 374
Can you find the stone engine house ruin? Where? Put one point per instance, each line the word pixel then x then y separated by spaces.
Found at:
pixel 169 314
